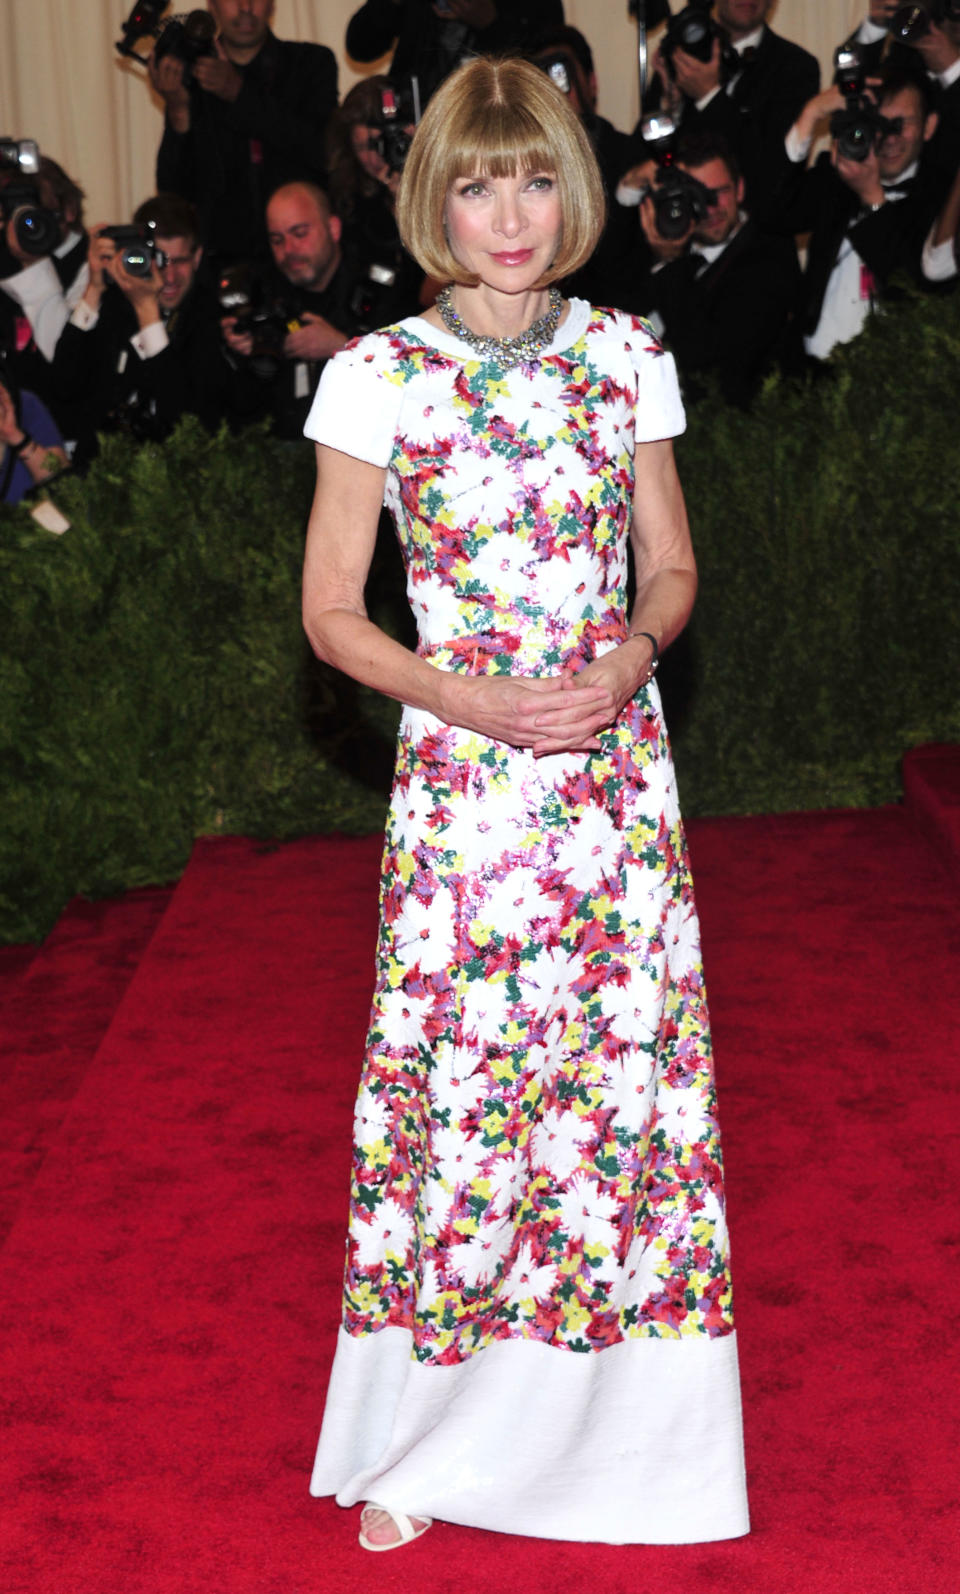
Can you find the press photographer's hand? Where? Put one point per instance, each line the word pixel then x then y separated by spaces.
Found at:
pixel 694 78
pixel 142 292
pixel 863 177
pixel 315 339
pixel 100 253
pixel 217 75
pixel 240 342
pixel 662 248
pixel 166 76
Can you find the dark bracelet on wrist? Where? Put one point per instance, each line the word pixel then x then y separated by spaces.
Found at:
pixel 656 650
pixel 25 442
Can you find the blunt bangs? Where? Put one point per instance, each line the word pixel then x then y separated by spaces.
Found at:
pixel 500 141
pixel 498 118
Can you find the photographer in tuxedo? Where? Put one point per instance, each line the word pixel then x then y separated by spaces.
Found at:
pixel 722 292
pixel 868 209
pixel 142 346
pixel 749 89
pixel 920 40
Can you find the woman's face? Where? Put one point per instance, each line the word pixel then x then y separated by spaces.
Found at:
pixel 506 229
pixel 367 149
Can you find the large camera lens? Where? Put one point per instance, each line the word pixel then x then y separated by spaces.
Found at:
pixel 855 142
pixel 856 131
pixel 35 230
pixel 200 30
pixel 137 259
pixel 694 37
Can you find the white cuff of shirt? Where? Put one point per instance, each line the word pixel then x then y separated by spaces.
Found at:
pixel 150 340
pixel 939 262
pixel 629 196
pixel 797 148
pixel 945 79
pixel 702 104
pixel 84 316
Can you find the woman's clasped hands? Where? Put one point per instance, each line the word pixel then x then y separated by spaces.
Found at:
pixel 550 714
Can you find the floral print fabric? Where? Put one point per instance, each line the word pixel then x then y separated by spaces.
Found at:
pixel 536 1145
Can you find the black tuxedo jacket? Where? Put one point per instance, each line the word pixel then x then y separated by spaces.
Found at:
pixel 27 365
pixel 192 375
pixel 767 97
pixel 888 241
pixel 729 318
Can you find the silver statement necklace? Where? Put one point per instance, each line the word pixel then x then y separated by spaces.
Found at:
pixel 506 352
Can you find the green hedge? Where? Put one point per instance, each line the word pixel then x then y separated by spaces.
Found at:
pixel 155 683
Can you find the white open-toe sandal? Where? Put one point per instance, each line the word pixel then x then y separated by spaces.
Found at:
pixel 403 1524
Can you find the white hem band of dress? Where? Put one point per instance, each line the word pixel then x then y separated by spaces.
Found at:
pixel 640 1443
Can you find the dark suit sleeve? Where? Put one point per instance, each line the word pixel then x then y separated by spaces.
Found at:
pixel 756 117
pixel 890 240
pixel 372 30
pixel 80 365
pixel 730 326
pixel 176 165
pixel 800 195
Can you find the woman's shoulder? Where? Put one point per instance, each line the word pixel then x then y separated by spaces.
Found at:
pixel 633 332
pixel 397 351
pixel 361 391
pixel 627 347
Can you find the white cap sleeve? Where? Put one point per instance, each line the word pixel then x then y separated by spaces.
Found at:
pixel 357 404
pixel 659 408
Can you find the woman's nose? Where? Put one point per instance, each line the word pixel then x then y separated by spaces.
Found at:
pixel 509 216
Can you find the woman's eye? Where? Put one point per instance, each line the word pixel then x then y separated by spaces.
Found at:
pixel 472 188
pixel 542 183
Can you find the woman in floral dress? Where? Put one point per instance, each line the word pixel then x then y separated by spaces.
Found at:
pixel 537 1331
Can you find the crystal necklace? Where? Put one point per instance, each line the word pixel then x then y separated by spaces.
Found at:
pixel 506 352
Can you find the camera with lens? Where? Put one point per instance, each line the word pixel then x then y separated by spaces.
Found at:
pixel 399 108
pixel 679 199
pixel 249 292
pixel 693 30
pixel 137 248
pixel 910 24
pixel 143 22
pixel 35 227
pixel 859 127
pixel 372 296
pixel 187 37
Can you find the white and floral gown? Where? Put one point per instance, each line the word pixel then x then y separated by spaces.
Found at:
pixel 537 1331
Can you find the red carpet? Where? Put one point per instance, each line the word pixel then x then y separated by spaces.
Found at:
pixel 55 1006
pixel 170 1282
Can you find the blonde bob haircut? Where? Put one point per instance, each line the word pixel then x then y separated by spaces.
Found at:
pixel 498 118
